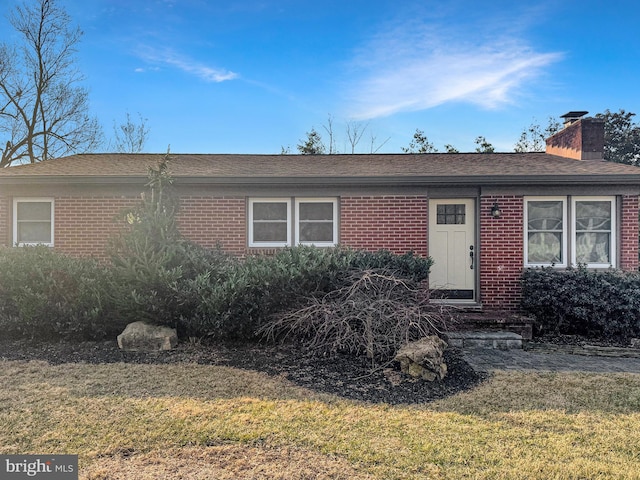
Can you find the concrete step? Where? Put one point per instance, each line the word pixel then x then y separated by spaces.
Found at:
pixel 500 340
pixel 493 320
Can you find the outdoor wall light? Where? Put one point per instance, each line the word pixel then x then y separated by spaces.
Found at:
pixel 495 211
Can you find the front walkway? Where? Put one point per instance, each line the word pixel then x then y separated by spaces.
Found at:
pixel 488 360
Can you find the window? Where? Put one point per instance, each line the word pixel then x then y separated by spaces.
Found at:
pixel 33 221
pixel 546 232
pixel 316 222
pixel 451 214
pixel 583 234
pixel 593 232
pixel 269 222
pixel 273 224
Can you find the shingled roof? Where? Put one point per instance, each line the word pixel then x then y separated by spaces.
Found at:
pixel 428 169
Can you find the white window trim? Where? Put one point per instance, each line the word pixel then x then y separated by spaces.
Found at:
pixel 334 202
pixel 18 200
pixel 286 200
pixel 569 230
pixel 565 222
pixel 614 226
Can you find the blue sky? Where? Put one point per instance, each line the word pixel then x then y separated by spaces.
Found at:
pixel 252 76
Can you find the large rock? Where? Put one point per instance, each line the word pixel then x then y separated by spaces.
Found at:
pixel 140 336
pixel 423 358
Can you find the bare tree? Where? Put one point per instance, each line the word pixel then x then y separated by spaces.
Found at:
pixel 329 129
pixel 355 130
pixel 376 147
pixel 43 109
pixel 130 137
pixel 314 143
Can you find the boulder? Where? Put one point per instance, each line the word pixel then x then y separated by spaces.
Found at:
pixel 142 337
pixel 423 358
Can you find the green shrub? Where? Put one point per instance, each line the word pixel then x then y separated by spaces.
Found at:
pixel 409 265
pixel 47 295
pixel 583 302
pixel 239 302
pixel 236 303
pixel 153 265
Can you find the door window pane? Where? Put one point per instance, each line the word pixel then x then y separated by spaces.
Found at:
pixel 451 214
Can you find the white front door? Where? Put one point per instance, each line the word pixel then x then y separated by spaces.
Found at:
pixel 452 247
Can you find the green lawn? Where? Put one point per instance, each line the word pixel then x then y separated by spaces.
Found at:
pixel 208 422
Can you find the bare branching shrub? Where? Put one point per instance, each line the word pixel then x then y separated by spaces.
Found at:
pixel 374 314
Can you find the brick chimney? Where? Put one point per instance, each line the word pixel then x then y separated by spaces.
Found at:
pixel 580 139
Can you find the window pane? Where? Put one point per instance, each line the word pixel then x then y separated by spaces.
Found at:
pixel 546 216
pixel 34 211
pixel 451 214
pixel 593 216
pixel 34 232
pixel 316 232
pixel 316 211
pixel 270 232
pixel 593 247
pixel 545 247
pixel 270 211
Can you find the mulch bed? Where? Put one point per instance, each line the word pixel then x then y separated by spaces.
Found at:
pixel 344 375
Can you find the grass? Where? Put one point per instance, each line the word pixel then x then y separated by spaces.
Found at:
pixel 210 422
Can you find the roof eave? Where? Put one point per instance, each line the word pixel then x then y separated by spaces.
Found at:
pixel 452 180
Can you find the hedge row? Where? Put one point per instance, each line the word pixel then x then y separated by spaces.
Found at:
pixel 46 295
pixel 200 292
pixel 583 302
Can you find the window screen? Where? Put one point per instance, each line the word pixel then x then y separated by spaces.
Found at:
pixel 316 222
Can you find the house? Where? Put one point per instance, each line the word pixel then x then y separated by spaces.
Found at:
pixel 483 218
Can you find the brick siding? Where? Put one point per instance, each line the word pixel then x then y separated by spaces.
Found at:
pixel 501 252
pixel 83 225
pixel 629 233
pixel 396 223
pixel 212 221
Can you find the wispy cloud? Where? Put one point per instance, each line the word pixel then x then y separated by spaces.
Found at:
pixel 421 66
pixel 186 64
